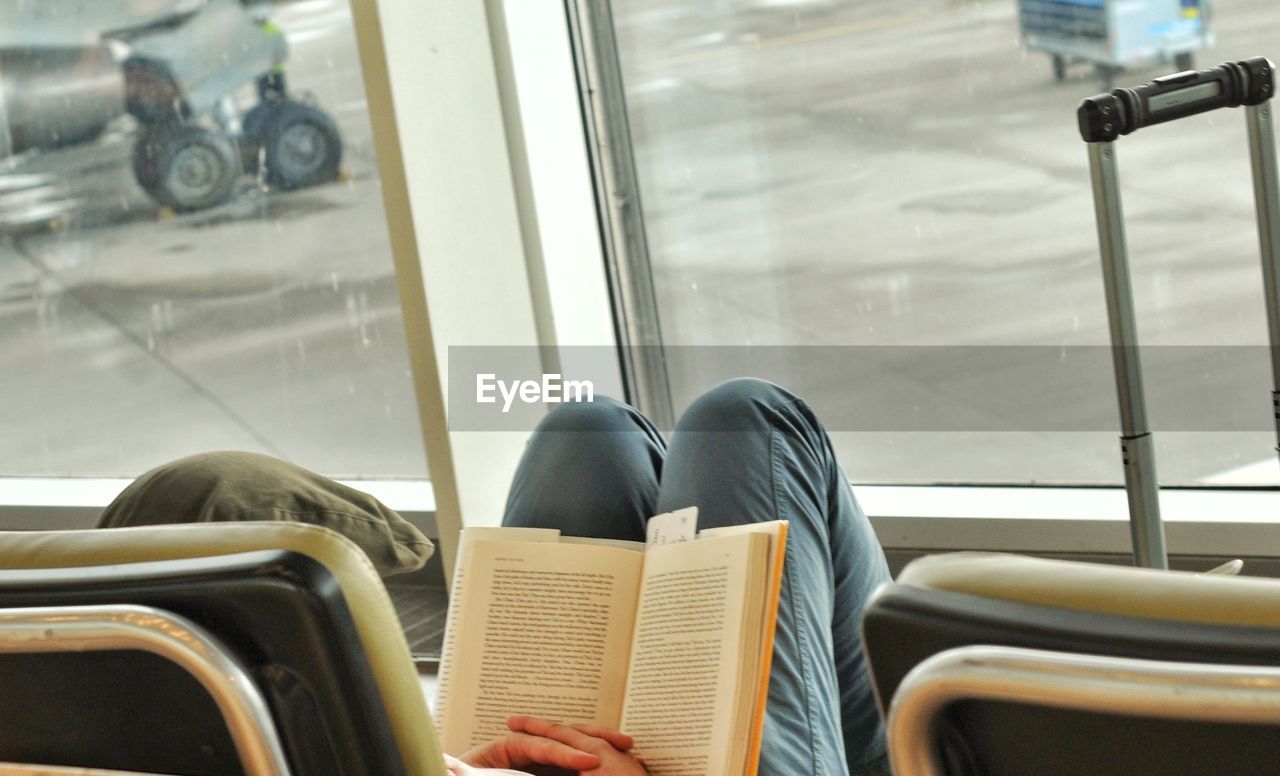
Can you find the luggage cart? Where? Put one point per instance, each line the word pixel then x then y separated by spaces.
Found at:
pixel 1115 34
pixel 1103 119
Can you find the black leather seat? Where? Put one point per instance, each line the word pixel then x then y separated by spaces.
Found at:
pixel 307 621
pixel 1013 712
pixel 280 614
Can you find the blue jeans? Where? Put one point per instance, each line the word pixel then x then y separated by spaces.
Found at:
pixel 746 451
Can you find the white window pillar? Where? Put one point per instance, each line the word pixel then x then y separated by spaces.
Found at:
pixel 462 168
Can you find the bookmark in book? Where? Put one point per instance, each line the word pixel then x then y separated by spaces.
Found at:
pixel 672 527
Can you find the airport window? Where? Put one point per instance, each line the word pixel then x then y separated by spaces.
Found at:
pixel 193 248
pixel 833 188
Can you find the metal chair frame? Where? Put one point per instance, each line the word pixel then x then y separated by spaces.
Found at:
pixel 167 635
pixel 1114 685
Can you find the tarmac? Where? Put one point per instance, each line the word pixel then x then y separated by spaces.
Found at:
pixel 847 175
pixel 131 336
pixel 864 175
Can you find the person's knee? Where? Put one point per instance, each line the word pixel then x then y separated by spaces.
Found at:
pixel 602 414
pixel 741 404
pixel 590 469
pixel 610 440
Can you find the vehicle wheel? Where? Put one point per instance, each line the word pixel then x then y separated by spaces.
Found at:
pixel 301 146
pixel 1059 67
pixel 1184 61
pixel 252 129
pixel 184 166
pixel 146 154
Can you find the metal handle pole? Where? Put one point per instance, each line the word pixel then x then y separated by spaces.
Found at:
pixel 1266 195
pixel 1135 441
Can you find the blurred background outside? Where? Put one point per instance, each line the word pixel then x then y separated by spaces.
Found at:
pixel 813 173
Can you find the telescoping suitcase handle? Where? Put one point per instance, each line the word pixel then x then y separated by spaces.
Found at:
pixel 1125 110
pixel 1104 118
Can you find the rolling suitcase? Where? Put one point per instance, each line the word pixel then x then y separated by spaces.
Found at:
pixel 1103 119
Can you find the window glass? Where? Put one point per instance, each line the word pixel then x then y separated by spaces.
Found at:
pixel 193 250
pixel 888 205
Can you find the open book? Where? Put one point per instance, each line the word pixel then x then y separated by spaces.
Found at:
pixel 670 644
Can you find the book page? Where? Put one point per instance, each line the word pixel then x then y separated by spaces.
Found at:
pixel 625 544
pixel 466 540
pixel 543 629
pixel 684 689
pixel 756 669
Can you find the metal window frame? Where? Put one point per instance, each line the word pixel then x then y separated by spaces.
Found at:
pixel 634 300
pixel 1234 522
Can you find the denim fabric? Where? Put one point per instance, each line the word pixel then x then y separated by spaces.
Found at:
pixel 746 451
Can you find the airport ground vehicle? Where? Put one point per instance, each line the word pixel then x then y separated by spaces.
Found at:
pixel 173 68
pixel 1114 35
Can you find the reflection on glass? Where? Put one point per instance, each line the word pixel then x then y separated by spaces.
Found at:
pixel 903 174
pixel 193 251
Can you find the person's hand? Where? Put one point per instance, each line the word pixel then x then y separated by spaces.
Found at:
pixel 523 751
pixel 549 748
pixel 612 748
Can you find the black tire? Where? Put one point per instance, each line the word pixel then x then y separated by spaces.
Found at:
pixel 301 146
pixel 1059 67
pixel 146 154
pixel 1184 61
pixel 252 134
pixel 184 166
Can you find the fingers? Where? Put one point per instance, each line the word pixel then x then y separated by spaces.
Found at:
pixel 527 747
pixel 579 736
pixel 620 741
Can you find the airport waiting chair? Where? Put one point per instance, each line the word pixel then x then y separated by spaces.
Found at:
pixel 999 664
pixel 209 650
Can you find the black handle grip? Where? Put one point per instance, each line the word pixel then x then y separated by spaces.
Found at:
pixel 1105 117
